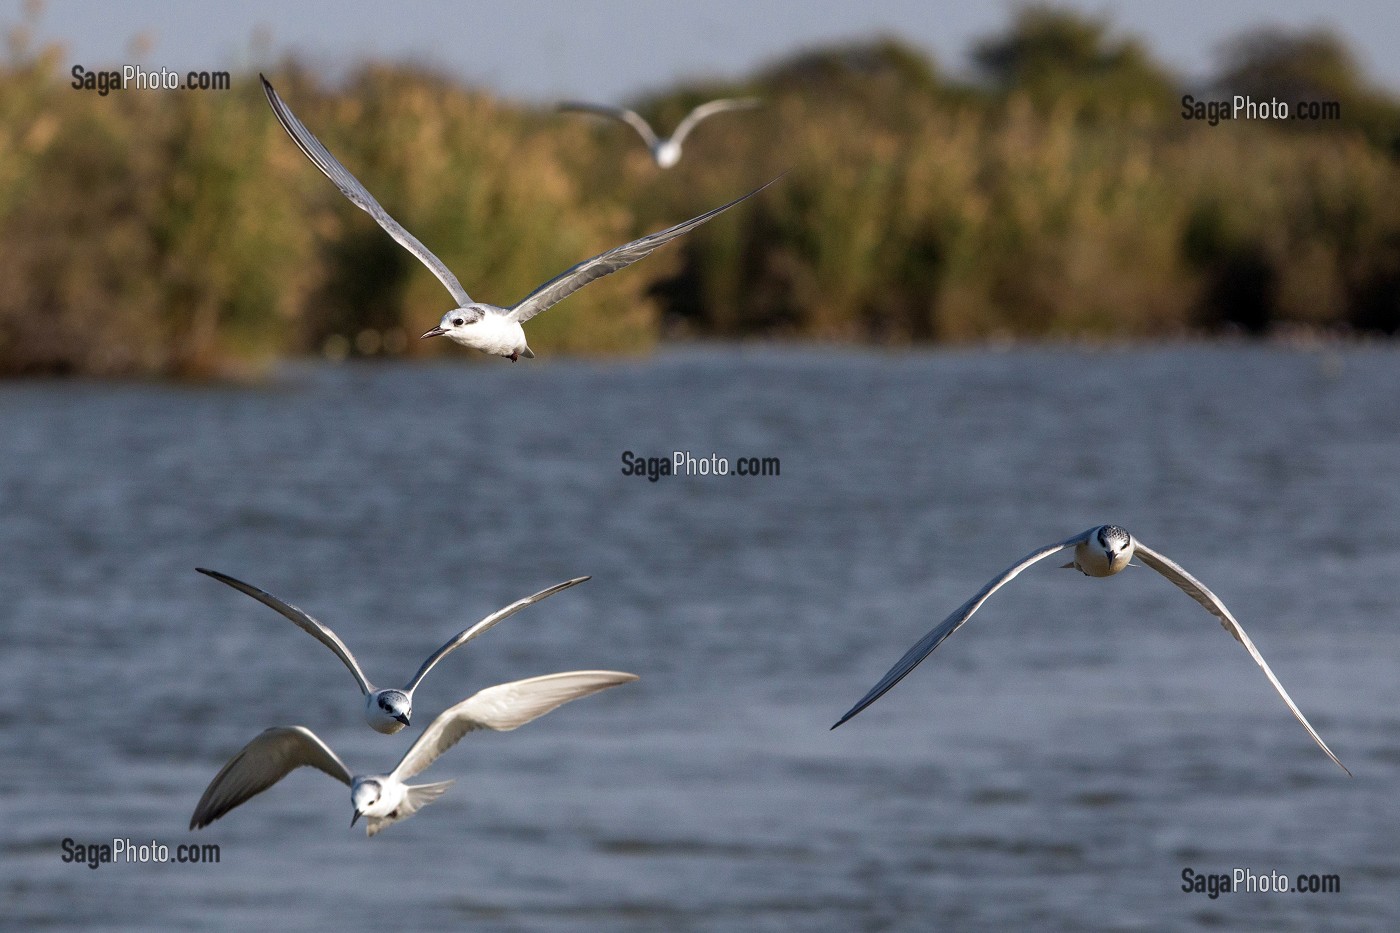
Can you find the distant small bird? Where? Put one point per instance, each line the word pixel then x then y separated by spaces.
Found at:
pixel 1098 552
pixel 388 710
pixel 384 798
pixel 488 328
pixel 666 152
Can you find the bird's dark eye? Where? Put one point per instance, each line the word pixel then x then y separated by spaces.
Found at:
pixel 457 321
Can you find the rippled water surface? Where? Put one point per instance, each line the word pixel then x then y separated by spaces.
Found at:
pixel 1055 765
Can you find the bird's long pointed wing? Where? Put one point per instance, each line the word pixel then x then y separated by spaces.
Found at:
pixel 359 196
pixel 274 754
pixel 1197 591
pixel 630 117
pixel 620 257
pixel 466 635
pixel 924 647
pixel 302 621
pixel 502 708
pixel 708 110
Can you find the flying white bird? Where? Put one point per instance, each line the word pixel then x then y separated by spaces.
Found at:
pixel 387 710
pixel 666 152
pixel 489 328
pixel 384 798
pixel 1098 552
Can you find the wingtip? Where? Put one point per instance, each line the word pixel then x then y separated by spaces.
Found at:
pixel 844 719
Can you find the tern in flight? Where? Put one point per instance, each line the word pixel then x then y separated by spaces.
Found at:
pixel 384 798
pixel 488 328
pixel 1098 552
pixel 387 710
pixel 666 152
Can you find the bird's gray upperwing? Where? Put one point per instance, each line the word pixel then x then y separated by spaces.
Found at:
pixel 302 620
pixel 708 110
pixel 630 117
pixel 1197 591
pixel 566 283
pixel 466 635
pixel 359 196
pixel 924 647
pixel 274 754
pixel 502 708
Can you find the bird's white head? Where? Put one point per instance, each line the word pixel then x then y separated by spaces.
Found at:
pixel 667 153
pixel 364 795
pixel 1116 544
pixel 455 323
pixel 388 711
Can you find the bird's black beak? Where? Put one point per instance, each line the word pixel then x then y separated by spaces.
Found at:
pixel 402 718
pixel 354 818
pixel 435 332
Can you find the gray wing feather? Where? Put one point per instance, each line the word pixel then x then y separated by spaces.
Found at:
pixel 924 647
pixel 359 196
pixel 302 620
pixel 274 754
pixel 630 117
pixel 466 635
pixel 708 110
pixel 1197 591
pixel 502 708
pixel 566 283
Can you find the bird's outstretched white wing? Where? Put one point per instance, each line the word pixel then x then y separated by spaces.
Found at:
pixel 274 754
pixel 303 621
pixel 359 196
pixel 630 117
pixel 466 635
pixel 502 708
pixel 948 626
pixel 1197 591
pixel 708 110
pixel 620 257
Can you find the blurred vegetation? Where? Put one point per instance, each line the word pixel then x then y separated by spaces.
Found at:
pixel 1059 194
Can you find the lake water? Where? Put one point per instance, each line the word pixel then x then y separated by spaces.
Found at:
pixel 1054 765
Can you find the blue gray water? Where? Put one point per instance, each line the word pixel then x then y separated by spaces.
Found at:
pixel 1054 765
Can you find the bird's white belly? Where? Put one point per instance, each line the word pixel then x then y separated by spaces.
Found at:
pixel 667 154
pixel 494 334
